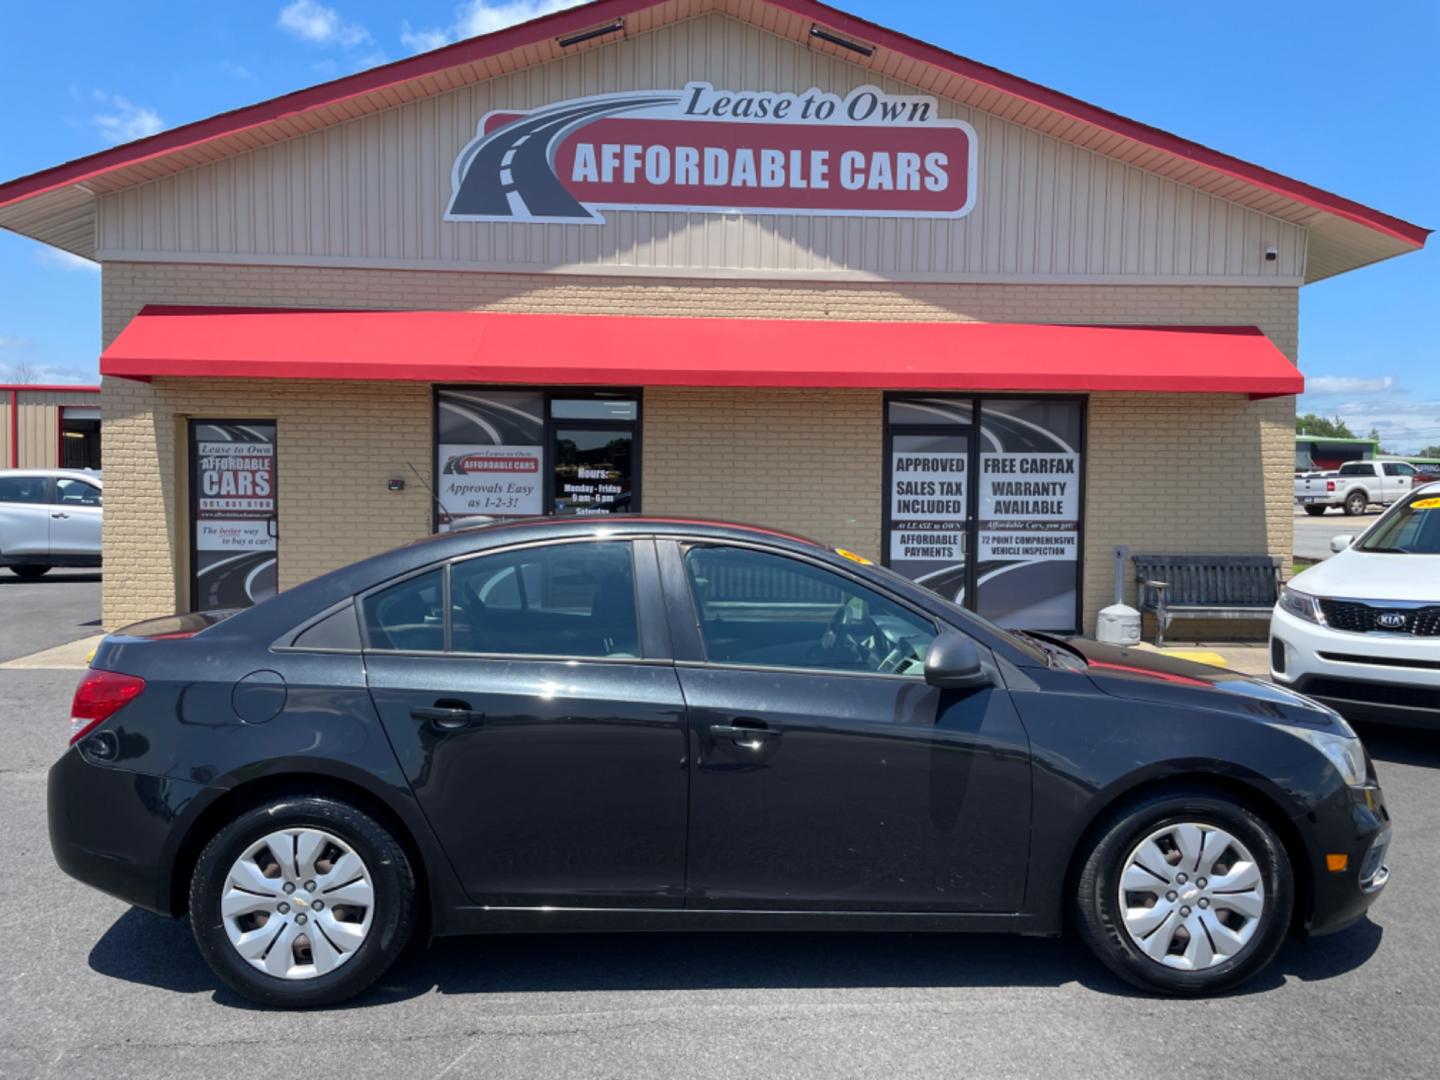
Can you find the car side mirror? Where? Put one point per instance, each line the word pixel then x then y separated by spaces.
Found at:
pixel 1341 542
pixel 953 663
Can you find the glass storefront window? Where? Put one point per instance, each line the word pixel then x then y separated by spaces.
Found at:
pixel 988 513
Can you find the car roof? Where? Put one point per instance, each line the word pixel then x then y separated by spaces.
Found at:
pixel 79 474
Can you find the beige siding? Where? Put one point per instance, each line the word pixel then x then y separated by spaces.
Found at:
pixel 5 462
pixel 373 191
pixel 39 426
pixel 1145 450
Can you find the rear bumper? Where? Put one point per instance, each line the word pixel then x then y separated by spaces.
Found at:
pixel 116 830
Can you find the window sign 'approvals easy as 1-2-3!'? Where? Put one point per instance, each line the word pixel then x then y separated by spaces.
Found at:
pixel 869 153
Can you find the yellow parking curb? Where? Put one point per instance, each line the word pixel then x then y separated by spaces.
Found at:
pixel 1199 656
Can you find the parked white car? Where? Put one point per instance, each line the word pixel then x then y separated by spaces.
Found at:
pixel 1361 631
pixel 1357 484
pixel 48 518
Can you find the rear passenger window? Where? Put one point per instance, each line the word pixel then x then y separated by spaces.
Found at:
pixel 408 616
pixel 558 600
pixel 22 489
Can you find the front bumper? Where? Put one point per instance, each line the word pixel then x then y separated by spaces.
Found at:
pixel 1353 823
pixel 1388 677
pixel 118 831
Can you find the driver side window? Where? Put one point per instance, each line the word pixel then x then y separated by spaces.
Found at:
pixel 759 609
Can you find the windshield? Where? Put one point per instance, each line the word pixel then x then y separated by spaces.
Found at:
pixel 1412 528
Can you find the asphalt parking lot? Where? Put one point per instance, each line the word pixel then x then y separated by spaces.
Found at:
pixel 92 988
pixel 1313 534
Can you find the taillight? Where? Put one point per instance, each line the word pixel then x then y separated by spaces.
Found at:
pixel 1329 485
pixel 98 697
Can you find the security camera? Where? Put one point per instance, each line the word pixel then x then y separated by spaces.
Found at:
pixel 1271 253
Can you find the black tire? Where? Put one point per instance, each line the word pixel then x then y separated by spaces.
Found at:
pixel 1356 503
pixel 29 571
pixel 1314 511
pixel 1098 897
pixel 394 901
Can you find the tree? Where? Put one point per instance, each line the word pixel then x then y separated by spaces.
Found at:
pixel 23 374
pixel 1430 451
pixel 1310 424
pixel 1374 437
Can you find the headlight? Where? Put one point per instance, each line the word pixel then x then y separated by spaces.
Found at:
pixel 1302 605
pixel 1345 752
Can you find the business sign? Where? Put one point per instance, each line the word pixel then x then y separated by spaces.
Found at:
pixel 235 513
pixel 867 154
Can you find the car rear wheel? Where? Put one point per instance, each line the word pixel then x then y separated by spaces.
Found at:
pixel 29 570
pixel 1185 893
pixel 1314 511
pixel 302 901
pixel 1357 503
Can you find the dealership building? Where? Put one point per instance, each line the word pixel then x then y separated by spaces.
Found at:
pixel 747 259
pixel 49 427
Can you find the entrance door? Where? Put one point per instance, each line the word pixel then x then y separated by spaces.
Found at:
pixel 234 515
pixel 828 775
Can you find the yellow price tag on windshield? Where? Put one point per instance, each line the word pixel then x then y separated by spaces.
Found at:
pixel 1425 504
pixel 866 562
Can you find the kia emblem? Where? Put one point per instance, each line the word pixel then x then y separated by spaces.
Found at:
pixel 1390 620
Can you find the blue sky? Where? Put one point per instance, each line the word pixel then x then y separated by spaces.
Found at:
pixel 1335 94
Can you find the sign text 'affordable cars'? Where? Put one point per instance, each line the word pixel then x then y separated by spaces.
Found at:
pixel 869 154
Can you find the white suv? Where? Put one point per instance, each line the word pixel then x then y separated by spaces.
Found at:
pixel 49 517
pixel 1361 631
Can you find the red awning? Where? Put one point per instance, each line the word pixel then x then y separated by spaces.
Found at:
pixel 615 350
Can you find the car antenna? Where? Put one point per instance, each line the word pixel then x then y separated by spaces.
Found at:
pixel 441 514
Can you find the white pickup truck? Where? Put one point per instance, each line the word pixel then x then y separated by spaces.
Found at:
pixel 1358 484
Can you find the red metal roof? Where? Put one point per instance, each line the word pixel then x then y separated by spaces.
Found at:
pixel 544 30
pixel 495 347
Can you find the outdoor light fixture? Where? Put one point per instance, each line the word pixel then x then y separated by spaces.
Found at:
pixel 591 34
pixel 835 39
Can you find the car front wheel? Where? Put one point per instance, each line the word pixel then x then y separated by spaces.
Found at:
pixel 302 901
pixel 1186 893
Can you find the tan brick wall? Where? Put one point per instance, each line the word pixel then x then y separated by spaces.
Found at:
pixel 1168 472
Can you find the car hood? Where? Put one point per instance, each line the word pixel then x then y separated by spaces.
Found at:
pixel 1142 675
pixel 1373 575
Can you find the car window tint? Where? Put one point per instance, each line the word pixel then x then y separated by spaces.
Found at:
pixel 409 616
pixel 22 489
pixel 557 600
pixel 1357 468
pixel 76 492
pixel 769 610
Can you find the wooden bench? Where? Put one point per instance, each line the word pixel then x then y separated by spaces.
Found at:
pixel 1206 587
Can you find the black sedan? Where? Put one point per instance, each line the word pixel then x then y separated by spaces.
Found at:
pixel 646 723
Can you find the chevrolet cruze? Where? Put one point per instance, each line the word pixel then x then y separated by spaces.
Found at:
pixel 641 723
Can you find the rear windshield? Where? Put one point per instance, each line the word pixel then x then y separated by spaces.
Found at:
pixel 1412 528
pixel 1356 468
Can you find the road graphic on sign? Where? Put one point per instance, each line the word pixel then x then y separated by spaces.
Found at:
pixel 509 173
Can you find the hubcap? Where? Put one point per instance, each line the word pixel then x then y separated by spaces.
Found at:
pixel 1191 896
pixel 298 903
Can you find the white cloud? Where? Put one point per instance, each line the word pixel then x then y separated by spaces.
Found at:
pixel 320 25
pixel 480 17
pixel 418 41
pixel 123 121
pixel 58 259
pixel 1405 421
pixel 1344 384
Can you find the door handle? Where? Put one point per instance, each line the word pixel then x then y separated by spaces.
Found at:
pixel 448 715
pixel 59 515
pixel 746 734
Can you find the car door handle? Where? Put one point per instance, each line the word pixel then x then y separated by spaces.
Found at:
pixel 57 514
pixel 449 715
pixel 746 734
